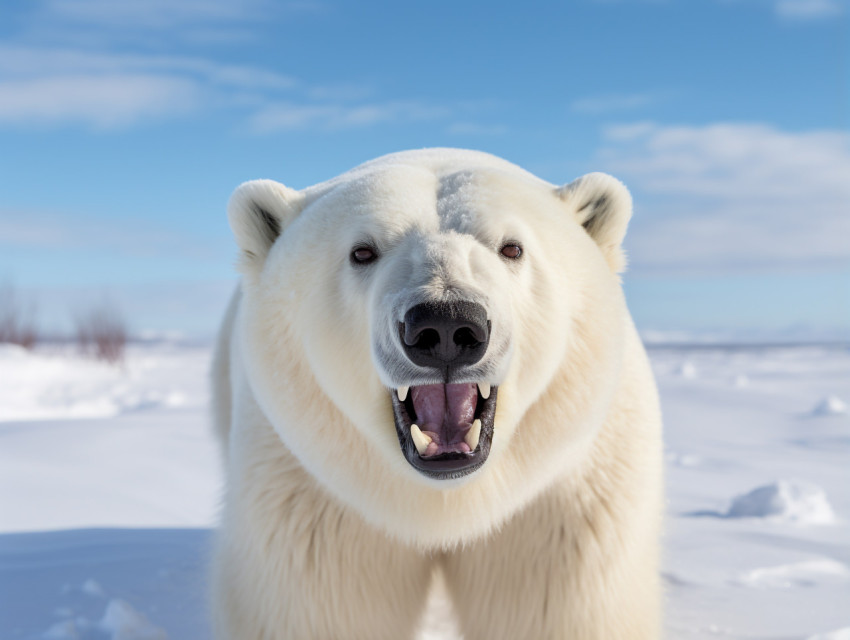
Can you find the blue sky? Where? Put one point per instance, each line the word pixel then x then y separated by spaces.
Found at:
pixel 124 126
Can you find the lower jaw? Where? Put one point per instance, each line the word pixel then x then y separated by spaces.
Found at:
pixel 447 466
pixel 453 465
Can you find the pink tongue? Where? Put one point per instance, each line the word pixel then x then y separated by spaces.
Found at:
pixel 445 411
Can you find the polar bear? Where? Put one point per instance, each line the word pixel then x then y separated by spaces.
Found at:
pixel 429 368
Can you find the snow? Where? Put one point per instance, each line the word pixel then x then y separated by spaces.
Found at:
pixel 59 384
pixel 830 406
pixel 124 622
pixel 688 370
pixel 110 480
pixel 793 501
pixel 128 463
pixel 120 622
pixel 838 634
pixel 152 584
pixel 797 574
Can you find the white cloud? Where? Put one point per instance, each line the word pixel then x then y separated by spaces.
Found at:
pixel 41 231
pixel 800 10
pixel 182 20
pixel 729 196
pixel 628 132
pixel 62 65
pixel 150 23
pixel 285 116
pixel 808 9
pixel 42 85
pixel 477 129
pixel 788 9
pixel 17 61
pixel 342 92
pixel 149 13
pixel 53 74
pixel 632 1
pixel 103 101
pixel 613 102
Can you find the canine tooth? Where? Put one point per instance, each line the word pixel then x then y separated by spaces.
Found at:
pixel 419 439
pixel 473 435
pixel 484 389
pixel 402 393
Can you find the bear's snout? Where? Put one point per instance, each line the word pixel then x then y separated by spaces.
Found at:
pixel 445 335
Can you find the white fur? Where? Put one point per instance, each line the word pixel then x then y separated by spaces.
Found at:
pixel 327 531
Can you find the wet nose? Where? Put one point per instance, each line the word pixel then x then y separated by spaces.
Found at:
pixel 445 334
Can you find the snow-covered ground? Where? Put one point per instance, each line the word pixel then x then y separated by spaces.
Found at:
pixel 109 482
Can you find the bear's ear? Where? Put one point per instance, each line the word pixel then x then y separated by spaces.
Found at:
pixel 603 206
pixel 258 212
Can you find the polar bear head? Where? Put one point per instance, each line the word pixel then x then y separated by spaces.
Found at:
pixel 435 334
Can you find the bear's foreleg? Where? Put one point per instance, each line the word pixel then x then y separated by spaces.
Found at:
pixel 292 563
pixel 561 570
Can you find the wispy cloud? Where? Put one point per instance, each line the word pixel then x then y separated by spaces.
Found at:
pixel 614 102
pixel 631 1
pixel 60 85
pixel 42 85
pixel 18 61
pixel 40 231
pixel 477 129
pixel 139 21
pixel 734 195
pixel 151 13
pixel 808 9
pixel 787 9
pixel 68 62
pixel 285 116
pixel 104 101
pixel 799 10
pixel 47 78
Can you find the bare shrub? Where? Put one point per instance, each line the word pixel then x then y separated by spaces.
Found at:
pixel 101 332
pixel 17 319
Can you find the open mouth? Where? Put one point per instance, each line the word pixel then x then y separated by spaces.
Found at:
pixel 445 430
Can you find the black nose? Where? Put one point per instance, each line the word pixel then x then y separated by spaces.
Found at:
pixel 445 334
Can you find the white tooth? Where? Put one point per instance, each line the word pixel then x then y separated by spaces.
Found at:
pixel 484 389
pixel 473 435
pixel 419 439
pixel 402 393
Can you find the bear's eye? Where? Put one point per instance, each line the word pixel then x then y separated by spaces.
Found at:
pixel 512 251
pixel 363 255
